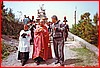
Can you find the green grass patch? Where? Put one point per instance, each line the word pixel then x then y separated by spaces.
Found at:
pixel 89 58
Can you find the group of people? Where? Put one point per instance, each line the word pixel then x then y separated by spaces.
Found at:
pixel 38 34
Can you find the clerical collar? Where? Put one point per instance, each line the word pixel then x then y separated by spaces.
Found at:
pixel 25 30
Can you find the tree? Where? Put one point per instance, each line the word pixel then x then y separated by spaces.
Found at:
pixel 95 20
pixel 85 28
pixel 9 27
pixel 11 14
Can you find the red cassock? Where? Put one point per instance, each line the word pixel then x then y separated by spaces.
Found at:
pixel 41 40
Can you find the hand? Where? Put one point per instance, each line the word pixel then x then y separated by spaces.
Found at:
pixel 41 29
pixel 55 28
pixel 28 35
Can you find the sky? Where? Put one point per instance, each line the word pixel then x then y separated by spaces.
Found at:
pixel 59 8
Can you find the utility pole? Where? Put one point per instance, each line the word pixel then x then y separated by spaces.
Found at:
pixel 75 15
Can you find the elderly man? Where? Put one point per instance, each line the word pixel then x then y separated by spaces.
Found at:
pixel 41 50
pixel 58 39
pixel 24 45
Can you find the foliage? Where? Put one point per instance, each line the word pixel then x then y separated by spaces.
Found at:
pixel 9 26
pixel 87 29
pixel 6 49
pixel 7 15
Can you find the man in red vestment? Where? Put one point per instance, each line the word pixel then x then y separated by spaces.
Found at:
pixel 40 48
pixel 46 38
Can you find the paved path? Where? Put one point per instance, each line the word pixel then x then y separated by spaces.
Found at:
pixel 69 56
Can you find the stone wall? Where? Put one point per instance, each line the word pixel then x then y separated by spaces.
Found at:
pixel 84 43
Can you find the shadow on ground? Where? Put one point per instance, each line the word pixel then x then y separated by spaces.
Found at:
pixel 49 61
pixel 30 61
pixel 72 61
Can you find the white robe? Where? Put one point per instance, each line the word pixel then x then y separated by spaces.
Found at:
pixel 24 43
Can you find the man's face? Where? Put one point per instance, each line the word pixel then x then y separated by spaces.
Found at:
pixel 42 23
pixel 43 20
pixel 53 20
pixel 25 27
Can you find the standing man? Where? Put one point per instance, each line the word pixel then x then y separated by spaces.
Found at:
pixel 32 28
pixel 58 39
pixel 29 19
pixel 25 20
pixel 41 51
pixel 66 28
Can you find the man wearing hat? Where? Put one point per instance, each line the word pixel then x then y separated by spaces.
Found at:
pixel 66 28
pixel 58 39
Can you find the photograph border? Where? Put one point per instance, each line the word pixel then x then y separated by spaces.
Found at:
pixel 52 66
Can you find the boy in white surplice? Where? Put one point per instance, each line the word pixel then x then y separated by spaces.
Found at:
pixel 24 45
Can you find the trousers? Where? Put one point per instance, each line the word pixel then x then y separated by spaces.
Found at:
pixel 59 48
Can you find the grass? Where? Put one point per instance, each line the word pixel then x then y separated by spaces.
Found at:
pixel 6 50
pixel 89 58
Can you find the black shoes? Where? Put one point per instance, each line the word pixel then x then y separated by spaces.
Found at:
pixel 23 63
pixel 61 63
pixel 37 62
pixel 56 62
